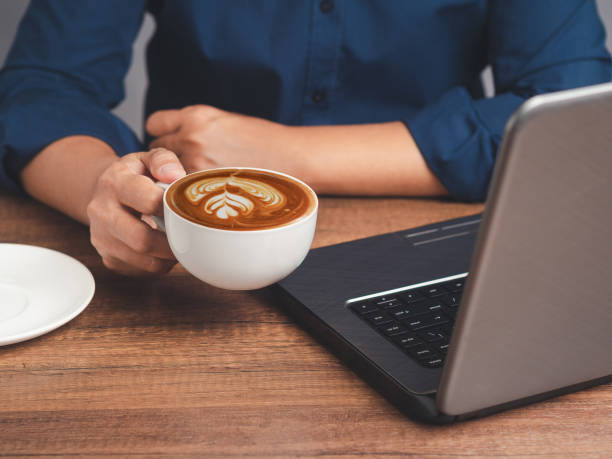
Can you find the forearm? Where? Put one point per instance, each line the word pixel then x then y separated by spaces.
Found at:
pixel 64 174
pixel 363 159
pixel 366 159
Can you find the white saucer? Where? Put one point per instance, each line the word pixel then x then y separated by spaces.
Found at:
pixel 40 290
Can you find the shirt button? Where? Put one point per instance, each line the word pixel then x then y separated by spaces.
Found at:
pixel 318 96
pixel 326 6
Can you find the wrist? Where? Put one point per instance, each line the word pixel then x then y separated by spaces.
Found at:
pixel 64 174
pixel 308 162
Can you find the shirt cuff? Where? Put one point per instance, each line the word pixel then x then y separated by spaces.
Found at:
pixel 457 146
pixel 28 128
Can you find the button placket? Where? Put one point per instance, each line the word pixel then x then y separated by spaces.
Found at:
pixel 318 96
pixel 326 6
pixel 322 63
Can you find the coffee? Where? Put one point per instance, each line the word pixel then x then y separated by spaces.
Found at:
pixel 240 200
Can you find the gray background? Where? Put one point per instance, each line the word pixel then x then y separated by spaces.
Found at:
pixel 132 107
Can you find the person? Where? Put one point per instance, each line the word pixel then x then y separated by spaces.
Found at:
pixel 356 98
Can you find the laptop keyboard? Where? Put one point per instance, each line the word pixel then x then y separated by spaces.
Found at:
pixel 419 321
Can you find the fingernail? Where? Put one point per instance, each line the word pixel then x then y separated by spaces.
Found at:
pixel 171 169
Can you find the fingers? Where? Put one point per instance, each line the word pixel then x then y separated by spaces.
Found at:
pixel 126 243
pixel 191 161
pixel 110 220
pixel 140 193
pixel 163 122
pixel 169 142
pixel 138 236
pixel 195 163
pixel 184 131
pixel 122 258
pixel 163 164
pixel 138 265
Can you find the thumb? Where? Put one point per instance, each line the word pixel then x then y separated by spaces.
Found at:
pixel 163 164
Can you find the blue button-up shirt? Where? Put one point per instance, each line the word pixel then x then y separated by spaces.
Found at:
pixel 301 63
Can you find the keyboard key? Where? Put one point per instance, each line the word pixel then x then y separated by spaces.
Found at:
pixel 421 352
pixel 377 318
pixel 453 286
pixel 419 321
pixel 411 296
pixel 392 329
pixel 363 308
pixel 385 299
pixel 432 290
pixel 434 305
pixel 432 336
pixel 434 361
pixel 414 309
pixel 399 313
pixel 425 320
pixel 452 300
pixel 389 304
pixel 442 347
pixel 407 340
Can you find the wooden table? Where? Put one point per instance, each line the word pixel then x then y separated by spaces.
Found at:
pixel 172 366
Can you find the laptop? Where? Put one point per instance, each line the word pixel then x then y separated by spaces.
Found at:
pixel 475 315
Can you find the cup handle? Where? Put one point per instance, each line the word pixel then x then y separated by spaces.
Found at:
pixel 159 221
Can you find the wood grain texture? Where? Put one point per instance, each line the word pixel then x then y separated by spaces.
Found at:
pixel 170 366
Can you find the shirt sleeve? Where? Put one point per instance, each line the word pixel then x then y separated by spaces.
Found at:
pixel 63 74
pixel 533 48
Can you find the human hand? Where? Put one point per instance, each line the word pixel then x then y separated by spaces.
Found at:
pixel 124 192
pixel 205 137
pixel 361 159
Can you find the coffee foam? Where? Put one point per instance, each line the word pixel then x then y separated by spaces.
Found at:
pixel 240 199
pixel 216 199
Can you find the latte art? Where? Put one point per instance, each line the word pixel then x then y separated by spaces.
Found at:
pixel 217 199
pixel 238 199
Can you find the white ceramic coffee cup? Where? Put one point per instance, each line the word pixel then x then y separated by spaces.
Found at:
pixel 239 260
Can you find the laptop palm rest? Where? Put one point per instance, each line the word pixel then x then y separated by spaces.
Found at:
pixel 332 275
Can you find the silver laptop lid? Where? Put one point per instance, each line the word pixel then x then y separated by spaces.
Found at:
pixel 537 309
